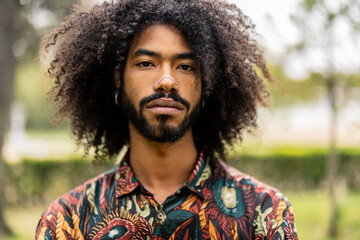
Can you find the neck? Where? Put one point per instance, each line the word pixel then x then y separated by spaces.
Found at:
pixel 162 168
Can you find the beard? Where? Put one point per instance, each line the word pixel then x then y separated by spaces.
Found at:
pixel 162 132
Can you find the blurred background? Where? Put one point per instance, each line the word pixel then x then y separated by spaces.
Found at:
pixel 307 144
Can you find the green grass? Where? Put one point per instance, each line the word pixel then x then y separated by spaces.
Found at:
pixel 311 216
pixel 23 221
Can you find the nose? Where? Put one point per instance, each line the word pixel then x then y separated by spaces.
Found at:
pixel 167 84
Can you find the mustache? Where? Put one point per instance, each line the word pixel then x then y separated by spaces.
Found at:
pixel 159 95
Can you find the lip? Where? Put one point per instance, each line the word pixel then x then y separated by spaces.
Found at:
pixel 165 106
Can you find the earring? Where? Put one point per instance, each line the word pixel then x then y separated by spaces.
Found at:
pixel 116 99
pixel 117 82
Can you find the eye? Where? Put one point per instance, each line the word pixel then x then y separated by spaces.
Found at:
pixel 144 64
pixel 186 67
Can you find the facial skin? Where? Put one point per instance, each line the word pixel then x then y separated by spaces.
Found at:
pixel 162 111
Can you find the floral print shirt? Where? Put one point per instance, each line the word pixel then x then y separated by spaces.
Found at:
pixel 217 202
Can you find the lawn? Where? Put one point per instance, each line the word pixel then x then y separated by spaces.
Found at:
pixel 311 216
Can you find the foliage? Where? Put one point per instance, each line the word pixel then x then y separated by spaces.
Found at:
pixel 326 27
pixel 286 91
pixel 301 171
pixel 34 18
pixel 32 181
pixel 30 93
pixel 320 21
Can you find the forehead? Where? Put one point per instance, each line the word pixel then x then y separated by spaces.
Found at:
pixel 160 38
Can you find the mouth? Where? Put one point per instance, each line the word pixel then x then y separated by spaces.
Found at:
pixel 165 106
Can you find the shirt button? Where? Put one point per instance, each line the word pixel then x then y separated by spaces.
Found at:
pixel 160 216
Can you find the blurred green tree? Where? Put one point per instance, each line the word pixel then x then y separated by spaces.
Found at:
pixel 35 18
pixel 22 23
pixel 318 21
pixel 287 92
pixel 7 68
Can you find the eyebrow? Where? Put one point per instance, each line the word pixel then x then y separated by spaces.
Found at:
pixel 142 51
pixel 188 55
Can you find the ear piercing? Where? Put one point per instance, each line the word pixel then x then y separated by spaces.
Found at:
pixel 116 99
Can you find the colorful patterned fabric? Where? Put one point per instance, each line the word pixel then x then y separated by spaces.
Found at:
pixel 217 202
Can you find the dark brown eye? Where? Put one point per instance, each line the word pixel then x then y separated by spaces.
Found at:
pixel 144 64
pixel 186 67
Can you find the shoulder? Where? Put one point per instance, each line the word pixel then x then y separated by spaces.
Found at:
pixel 73 198
pixel 70 205
pixel 265 194
pixel 242 180
pixel 273 215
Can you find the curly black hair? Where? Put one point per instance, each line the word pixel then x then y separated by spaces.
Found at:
pixel 91 43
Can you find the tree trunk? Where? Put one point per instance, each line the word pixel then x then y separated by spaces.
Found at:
pixel 7 68
pixel 333 160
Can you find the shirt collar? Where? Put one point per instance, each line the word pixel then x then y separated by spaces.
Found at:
pixel 199 176
pixel 126 182
pixel 125 179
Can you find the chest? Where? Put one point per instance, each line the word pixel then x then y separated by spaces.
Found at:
pixel 182 216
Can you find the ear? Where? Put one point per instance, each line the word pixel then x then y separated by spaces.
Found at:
pixel 117 77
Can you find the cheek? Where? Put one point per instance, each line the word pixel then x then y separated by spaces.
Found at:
pixel 135 89
pixel 193 95
pixel 131 92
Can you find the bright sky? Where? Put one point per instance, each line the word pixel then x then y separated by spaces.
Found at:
pixel 278 31
pixel 272 19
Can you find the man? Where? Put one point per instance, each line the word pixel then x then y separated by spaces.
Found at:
pixel 175 81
